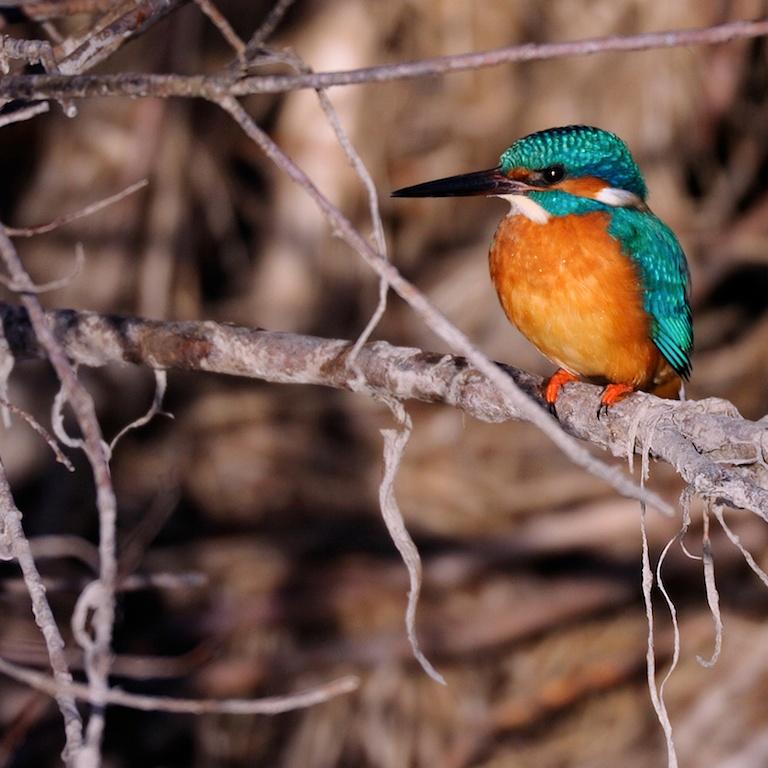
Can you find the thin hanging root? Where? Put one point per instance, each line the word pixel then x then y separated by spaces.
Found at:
pixel 394 445
pixel 672 609
pixel 686 497
pixel 713 598
pixel 156 409
pixel 648 414
pixel 657 694
pixel 717 510
pixel 656 699
pixel 57 420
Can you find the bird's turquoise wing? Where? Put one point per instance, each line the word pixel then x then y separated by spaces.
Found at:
pixel 664 274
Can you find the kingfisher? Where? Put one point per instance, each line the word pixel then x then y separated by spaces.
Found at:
pixel 582 266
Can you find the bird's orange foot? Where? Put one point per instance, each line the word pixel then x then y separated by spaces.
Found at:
pixel 611 395
pixel 552 387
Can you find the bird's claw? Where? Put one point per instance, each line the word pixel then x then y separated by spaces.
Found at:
pixel 611 395
pixel 552 388
pixel 552 408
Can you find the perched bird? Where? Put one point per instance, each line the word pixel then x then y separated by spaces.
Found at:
pixel 582 266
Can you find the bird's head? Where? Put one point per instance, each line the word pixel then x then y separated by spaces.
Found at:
pixel 575 161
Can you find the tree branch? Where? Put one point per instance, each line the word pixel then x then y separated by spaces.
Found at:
pixel 29 87
pixel 723 456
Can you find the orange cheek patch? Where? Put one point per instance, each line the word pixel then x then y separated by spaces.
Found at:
pixel 587 186
pixel 518 174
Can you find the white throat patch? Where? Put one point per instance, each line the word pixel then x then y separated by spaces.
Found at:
pixel 526 207
pixel 619 198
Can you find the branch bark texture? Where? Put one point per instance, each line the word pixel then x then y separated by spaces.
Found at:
pixel 723 456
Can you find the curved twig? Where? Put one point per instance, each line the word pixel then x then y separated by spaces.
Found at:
pixel 274 705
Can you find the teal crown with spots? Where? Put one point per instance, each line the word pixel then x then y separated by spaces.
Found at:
pixel 581 150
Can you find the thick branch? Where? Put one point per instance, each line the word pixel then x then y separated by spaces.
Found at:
pixel 707 442
pixel 29 87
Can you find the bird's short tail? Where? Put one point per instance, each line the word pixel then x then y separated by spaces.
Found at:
pixel 670 388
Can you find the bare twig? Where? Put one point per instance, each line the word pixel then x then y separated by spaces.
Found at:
pixel 274 705
pixel 225 28
pixel 221 86
pixel 98 659
pixel 20 550
pixel 298 64
pixel 122 22
pixel 359 167
pixel 37 427
pixel 267 27
pixel 67 218
pixel 52 285
pixel 706 442
pixel 26 113
pixel 379 239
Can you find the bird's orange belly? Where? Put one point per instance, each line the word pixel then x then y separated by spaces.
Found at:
pixel 568 288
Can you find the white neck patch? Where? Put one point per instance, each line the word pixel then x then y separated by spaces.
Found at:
pixel 619 198
pixel 526 207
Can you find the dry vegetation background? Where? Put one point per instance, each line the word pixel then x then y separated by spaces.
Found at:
pixel 259 502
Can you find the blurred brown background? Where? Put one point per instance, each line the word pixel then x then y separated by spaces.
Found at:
pixel 532 606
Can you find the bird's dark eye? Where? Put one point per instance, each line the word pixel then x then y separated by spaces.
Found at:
pixel 552 174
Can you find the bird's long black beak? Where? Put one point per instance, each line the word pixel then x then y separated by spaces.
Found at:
pixel 489 183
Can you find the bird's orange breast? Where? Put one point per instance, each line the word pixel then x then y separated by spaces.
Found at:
pixel 568 288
